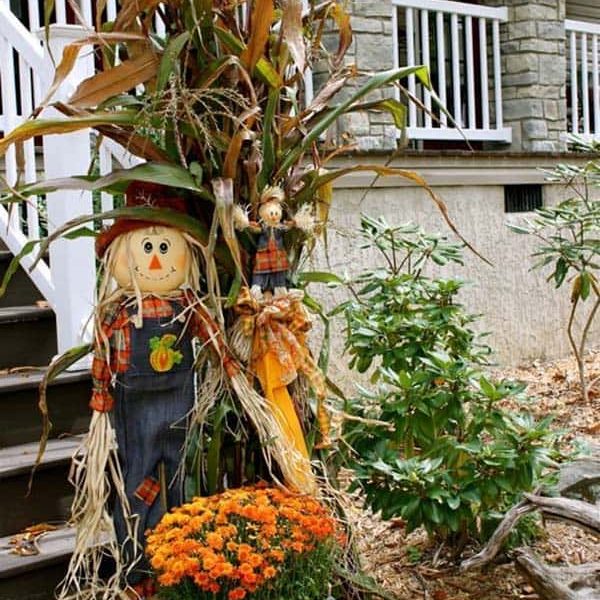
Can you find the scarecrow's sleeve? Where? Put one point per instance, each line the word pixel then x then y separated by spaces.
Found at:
pixel 103 367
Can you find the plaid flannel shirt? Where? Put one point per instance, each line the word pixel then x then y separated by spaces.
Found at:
pixel 116 328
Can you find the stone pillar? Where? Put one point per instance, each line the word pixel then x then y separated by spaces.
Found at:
pixel 534 69
pixel 371 51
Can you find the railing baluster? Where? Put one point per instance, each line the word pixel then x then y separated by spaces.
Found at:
pixel 106 200
pixel 426 61
pixel 61 11
pixel 456 69
pixel 33 228
pixel 159 23
pixel 9 108
pixel 585 84
pixel 441 61
pixel 483 69
pixel 596 84
pixel 497 74
pixel 574 107
pixel 111 10
pixel 470 70
pixel 34 15
pixel 410 58
pixel 86 11
pixel 395 47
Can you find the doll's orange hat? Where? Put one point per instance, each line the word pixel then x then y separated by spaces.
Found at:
pixel 140 193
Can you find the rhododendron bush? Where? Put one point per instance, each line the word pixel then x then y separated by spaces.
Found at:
pixel 252 542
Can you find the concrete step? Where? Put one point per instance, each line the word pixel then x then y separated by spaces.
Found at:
pixel 35 577
pixel 51 493
pixel 28 335
pixel 68 396
pixel 21 290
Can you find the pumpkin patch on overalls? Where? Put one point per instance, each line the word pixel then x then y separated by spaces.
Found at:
pixel 162 356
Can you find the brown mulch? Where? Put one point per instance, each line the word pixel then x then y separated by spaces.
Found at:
pixel 412 567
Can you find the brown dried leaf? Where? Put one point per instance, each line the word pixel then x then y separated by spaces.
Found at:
pixel 71 53
pixel 104 85
pixel 342 20
pixel 291 29
pixel 262 18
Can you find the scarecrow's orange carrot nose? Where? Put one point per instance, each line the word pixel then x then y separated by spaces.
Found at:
pixel 155 263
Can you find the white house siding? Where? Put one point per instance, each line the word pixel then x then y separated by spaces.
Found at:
pixel 523 313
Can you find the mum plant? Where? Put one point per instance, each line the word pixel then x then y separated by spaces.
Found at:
pixel 432 442
pixel 254 542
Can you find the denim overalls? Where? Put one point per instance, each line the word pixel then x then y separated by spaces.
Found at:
pixel 150 424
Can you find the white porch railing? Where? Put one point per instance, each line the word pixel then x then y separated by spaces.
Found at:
pixel 583 101
pixel 67 280
pixel 453 39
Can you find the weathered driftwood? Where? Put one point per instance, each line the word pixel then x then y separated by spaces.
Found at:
pixel 491 549
pixel 576 512
pixel 578 582
pixel 579 477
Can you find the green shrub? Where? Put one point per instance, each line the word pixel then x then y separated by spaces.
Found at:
pixel 431 442
pixel 568 245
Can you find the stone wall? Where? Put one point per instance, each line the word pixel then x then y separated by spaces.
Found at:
pixel 534 69
pixel 534 73
pixel 525 316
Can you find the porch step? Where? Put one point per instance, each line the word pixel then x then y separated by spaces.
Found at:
pixel 21 290
pixel 68 396
pixel 28 336
pixel 51 494
pixel 35 577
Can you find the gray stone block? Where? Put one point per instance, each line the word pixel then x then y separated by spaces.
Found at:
pixel 539 91
pixel 535 129
pixel 553 69
pixel 373 8
pixel 510 47
pixel 522 29
pixel 522 63
pixel 552 110
pixel 551 30
pixel 366 25
pixel 374 52
pixel 357 123
pixel 544 146
pixel 519 79
pixel 542 46
pixel 522 109
pixel 535 11
pixel 370 142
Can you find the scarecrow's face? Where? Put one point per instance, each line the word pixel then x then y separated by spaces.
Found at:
pixel 157 257
pixel 270 212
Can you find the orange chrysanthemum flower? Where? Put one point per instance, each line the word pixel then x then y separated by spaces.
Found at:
pixel 240 541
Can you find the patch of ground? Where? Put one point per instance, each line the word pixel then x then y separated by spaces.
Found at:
pixel 411 567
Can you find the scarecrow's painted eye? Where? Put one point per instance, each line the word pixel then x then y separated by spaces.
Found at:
pixel 164 247
pixel 148 247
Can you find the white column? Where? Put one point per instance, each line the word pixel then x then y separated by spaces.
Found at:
pixel 72 261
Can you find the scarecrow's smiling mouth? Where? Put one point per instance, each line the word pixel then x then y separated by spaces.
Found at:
pixel 165 276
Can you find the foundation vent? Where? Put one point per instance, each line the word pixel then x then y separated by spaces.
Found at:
pixel 522 198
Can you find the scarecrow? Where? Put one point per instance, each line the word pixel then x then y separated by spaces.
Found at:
pixel 149 313
pixel 270 333
pixel 271 264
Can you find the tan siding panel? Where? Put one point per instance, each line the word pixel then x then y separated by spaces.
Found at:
pixel 584 10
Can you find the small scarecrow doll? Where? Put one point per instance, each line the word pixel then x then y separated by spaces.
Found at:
pixel 149 312
pixel 271 263
pixel 270 333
